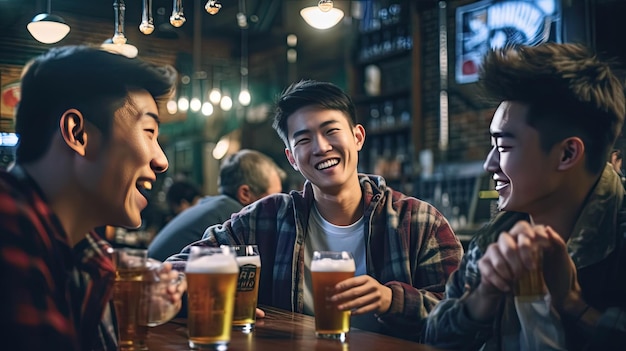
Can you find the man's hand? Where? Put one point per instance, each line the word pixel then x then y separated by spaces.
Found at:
pixel 178 282
pixel 362 294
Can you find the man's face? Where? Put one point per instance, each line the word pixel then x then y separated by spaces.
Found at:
pixel 117 170
pixel 525 176
pixel 323 147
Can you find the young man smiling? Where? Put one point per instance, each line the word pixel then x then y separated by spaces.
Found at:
pixel 404 248
pixel 560 112
pixel 88 125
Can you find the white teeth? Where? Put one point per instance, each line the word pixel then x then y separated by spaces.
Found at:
pixel 327 164
pixel 145 184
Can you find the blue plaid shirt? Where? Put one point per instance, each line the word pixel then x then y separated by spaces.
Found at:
pixel 410 247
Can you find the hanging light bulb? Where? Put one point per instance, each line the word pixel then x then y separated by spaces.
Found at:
pixel 183 103
pixel 207 109
pixel 177 18
pixel 172 107
pixel 213 6
pixel 195 104
pixel 147 22
pixel 226 103
pixel 215 96
pixel 244 97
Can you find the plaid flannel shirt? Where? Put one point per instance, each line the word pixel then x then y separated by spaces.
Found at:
pixel 41 305
pixel 410 247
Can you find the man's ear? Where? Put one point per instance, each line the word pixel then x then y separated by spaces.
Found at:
pixel 73 130
pixel 572 152
pixel 244 195
pixel 359 136
pixel 290 158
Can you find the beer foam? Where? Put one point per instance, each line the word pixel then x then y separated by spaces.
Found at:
pixel 330 265
pixel 255 260
pixel 218 263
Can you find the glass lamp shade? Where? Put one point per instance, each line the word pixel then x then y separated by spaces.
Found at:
pixel 48 28
pixel 319 19
pixel 125 49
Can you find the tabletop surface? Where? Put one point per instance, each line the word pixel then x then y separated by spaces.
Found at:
pixel 283 331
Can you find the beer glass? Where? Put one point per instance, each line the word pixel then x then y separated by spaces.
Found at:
pixel 327 269
pixel 140 297
pixel 211 286
pixel 249 263
pixel 532 285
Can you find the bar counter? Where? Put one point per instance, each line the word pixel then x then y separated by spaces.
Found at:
pixel 281 331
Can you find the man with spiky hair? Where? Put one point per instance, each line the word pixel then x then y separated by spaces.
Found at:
pixel 560 111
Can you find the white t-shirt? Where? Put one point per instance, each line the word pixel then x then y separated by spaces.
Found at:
pixel 325 236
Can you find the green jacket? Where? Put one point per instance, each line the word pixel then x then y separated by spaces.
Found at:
pixel 598 250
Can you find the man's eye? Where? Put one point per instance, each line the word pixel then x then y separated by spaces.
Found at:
pixel 503 148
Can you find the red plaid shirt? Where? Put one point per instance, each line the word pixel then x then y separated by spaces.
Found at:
pixel 41 306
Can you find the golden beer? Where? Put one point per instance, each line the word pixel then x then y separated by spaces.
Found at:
pixel 211 288
pixel 326 271
pixel 531 284
pixel 247 291
pixel 130 308
pixel 249 262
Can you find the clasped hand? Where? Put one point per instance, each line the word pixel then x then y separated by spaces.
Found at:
pixel 506 260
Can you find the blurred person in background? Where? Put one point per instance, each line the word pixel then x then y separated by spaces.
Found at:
pixel 244 177
pixel 181 195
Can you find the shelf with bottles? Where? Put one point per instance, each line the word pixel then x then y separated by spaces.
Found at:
pixel 384 116
pixel 390 156
pixel 384 30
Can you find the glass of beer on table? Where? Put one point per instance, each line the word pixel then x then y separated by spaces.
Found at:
pixel 211 286
pixel 249 262
pixel 327 269
pixel 140 297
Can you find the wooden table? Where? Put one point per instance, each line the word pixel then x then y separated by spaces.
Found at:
pixel 281 331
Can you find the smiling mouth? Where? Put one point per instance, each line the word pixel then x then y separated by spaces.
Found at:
pixel 144 188
pixel 327 164
pixel 501 185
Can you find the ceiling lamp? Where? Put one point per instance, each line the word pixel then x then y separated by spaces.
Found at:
pixel 177 18
pixel 213 6
pixel 322 16
pixel 48 28
pixel 119 44
pixel 147 21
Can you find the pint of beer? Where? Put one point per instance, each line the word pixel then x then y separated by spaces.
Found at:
pixel 140 297
pixel 211 285
pixel 131 305
pixel 249 263
pixel 327 269
pixel 531 285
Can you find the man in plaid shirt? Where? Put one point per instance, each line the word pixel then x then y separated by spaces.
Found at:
pixel 88 127
pixel 404 249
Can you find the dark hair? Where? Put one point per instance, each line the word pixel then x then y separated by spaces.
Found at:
pixel 93 81
pixel 181 190
pixel 247 167
pixel 568 90
pixel 324 95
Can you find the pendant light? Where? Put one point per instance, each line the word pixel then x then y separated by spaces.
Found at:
pixel 48 28
pixel 322 16
pixel 119 44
